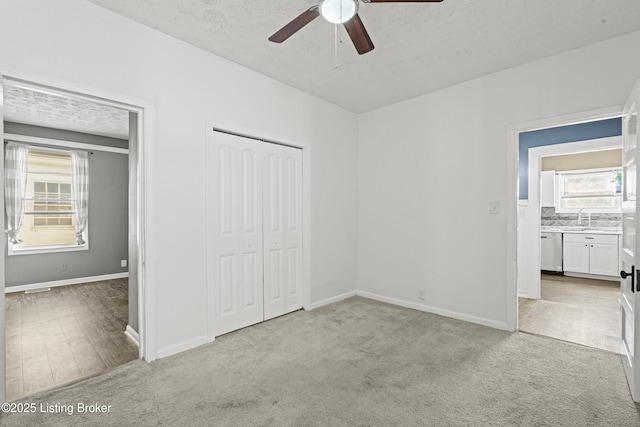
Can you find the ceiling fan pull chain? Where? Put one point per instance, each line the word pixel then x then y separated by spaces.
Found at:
pixel 335 49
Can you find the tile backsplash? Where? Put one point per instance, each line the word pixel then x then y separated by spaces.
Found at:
pixel 552 219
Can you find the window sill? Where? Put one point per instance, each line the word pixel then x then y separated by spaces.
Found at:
pixel 34 250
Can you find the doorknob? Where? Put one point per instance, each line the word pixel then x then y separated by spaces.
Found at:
pixel 624 275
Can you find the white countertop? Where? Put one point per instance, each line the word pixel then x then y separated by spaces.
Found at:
pixel 581 230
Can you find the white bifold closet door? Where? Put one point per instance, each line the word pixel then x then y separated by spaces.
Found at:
pixel 254 200
pixel 282 213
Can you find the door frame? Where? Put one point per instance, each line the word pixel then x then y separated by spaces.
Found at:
pixel 146 114
pixel 211 128
pixel 532 229
pixel 515 265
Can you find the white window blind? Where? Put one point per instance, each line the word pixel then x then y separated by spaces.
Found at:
pixel 589 189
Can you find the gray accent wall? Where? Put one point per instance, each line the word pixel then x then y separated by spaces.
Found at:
pixel 108 218
pixel 64 135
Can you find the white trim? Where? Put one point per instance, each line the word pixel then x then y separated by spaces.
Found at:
pixel 64 282
pixel 33 250
pixel 523 294
pixel 182 346
pixel 306 225
pixel 61 143
pixel 513 211
pixel 569 119
pixel 147 248
pixel 434 310
pixel 131 333
pixel 208 206
pixel 331 300
pixel 3 250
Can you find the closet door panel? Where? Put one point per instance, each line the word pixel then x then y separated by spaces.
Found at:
pixel 273 203
pixel 234 194
pixel 283 237
pixel 293 232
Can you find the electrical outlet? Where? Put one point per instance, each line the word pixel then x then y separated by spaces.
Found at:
pixel 421 294
pixel 494 207
pixel 123 263
pixel 63 266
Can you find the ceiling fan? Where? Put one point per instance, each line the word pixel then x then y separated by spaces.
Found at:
pixel 343 12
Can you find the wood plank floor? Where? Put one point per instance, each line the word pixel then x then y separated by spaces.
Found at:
pixel 583 311
pixel 65 334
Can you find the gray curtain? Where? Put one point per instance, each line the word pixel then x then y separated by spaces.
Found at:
pixel 15 187
pixel 80 179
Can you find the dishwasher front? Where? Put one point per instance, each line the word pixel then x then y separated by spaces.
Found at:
pixel 551 252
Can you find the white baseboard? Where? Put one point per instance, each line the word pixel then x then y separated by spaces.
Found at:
pixel 182 346
pixel 66 282
pixel 523 294
pixel 442 312
pixel 131 333
pixel 331 300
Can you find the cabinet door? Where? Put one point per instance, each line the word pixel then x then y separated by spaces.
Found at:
pixel 575 257
pixel 603 259
pixel 547 188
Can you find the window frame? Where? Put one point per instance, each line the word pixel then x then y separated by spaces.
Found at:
pixel 16 249
pixel 558 192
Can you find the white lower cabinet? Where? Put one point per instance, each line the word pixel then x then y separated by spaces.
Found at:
pixel 575 256
pixel 590 254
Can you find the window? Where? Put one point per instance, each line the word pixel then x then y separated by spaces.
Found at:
pixel 597 190
pixel 49 215
pixel 54 198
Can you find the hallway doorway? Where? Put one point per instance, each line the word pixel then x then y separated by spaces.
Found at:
pixel 109 301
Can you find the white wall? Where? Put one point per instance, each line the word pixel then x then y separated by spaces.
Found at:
pixel 429 167
pixel 76 41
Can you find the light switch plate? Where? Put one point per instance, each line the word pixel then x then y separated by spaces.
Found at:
pixel 494 207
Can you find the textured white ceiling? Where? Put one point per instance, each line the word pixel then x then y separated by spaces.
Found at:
pixel 420 47
pixel 22 105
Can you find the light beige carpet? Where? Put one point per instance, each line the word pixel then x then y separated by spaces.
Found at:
pixel 357 363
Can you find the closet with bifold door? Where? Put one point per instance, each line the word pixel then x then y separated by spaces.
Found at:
pixel 254 230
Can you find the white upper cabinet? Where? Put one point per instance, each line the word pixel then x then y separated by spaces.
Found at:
pixel 548 188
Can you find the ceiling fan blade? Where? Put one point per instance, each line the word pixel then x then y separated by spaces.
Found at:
pixel 402 1
pixel 359 35
pixel 294 26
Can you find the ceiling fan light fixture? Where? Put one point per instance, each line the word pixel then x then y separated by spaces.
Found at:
pixel 338 11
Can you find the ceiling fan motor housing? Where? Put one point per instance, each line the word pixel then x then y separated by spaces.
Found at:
pixel 338 11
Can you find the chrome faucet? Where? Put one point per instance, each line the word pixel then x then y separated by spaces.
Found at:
pixel 588 217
